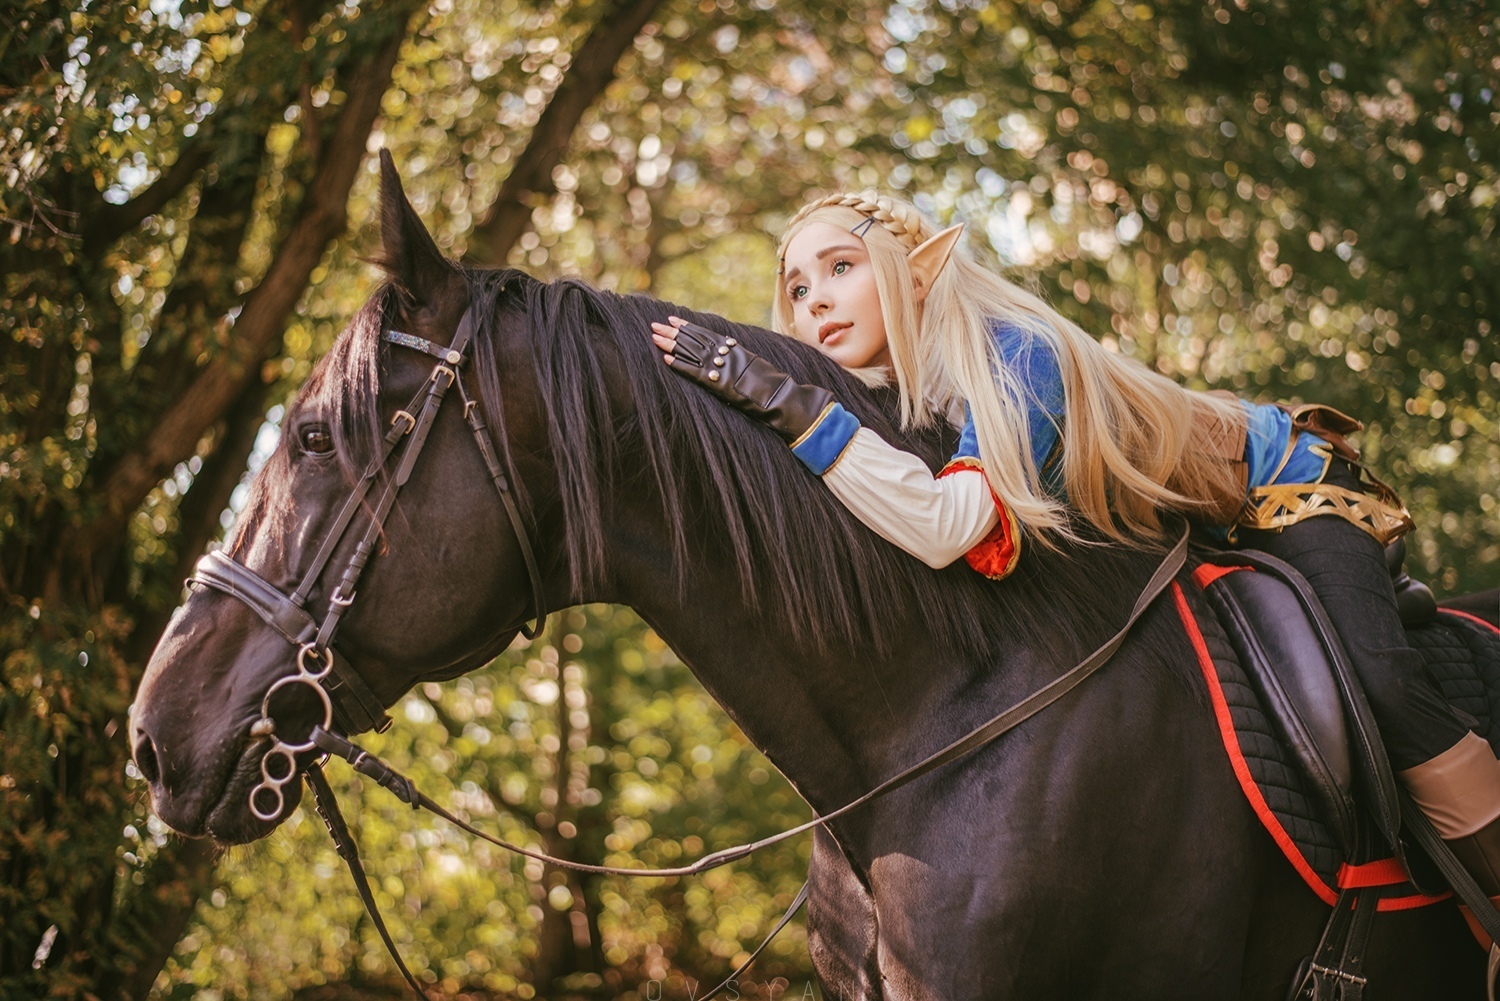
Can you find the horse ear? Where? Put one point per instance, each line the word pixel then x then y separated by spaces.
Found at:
pixel 928 260
pixel 408 253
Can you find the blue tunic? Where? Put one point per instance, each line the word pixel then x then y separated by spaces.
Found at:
pixel 1034 365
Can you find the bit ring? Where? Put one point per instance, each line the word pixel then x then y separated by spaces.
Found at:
pixel 272 790
pixel 309 649
pixel 327 703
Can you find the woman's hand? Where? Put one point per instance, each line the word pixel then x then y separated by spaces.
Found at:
pixel 739 377
pixel 665 335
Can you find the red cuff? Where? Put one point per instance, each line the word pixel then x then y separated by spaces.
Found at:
pixel 997 554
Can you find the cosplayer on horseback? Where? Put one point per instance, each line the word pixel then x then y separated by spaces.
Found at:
pixel 1061 436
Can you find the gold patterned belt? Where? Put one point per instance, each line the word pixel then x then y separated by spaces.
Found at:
pixel 1378 511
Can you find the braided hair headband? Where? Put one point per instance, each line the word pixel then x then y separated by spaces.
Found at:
pixel 901 221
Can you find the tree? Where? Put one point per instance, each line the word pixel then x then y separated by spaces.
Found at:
pixel 1291 201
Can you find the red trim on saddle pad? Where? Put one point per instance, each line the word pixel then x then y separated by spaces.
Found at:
pixel 1237 758
pixel 1205 574
pixel 1371 874
pixel 1471 617
pixel 1385 872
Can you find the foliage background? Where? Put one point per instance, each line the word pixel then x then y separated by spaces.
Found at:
pixel 1290 200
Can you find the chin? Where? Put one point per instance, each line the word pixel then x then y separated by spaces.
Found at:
pixel 851 358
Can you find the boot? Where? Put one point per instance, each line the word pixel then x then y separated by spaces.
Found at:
pixel 1459 790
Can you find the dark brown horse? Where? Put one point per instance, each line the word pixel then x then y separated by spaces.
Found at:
pixel 1101 850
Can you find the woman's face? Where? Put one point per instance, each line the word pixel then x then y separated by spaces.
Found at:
pixel 830 284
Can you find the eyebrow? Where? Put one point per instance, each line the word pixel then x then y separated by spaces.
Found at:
pixel 822 254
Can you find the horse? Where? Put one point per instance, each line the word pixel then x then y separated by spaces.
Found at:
pixel 1102 849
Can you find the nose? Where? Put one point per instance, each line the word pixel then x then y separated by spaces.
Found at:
pixel 144 752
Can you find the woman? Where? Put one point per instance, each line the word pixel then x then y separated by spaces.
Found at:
pixel 1058 430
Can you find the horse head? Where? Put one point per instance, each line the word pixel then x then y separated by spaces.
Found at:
pixel 446 589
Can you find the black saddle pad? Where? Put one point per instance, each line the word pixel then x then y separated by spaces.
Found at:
pixel 1463 652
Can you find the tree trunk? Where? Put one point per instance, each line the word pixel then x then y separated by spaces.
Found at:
pixel 592 69
pixel 257 330
pixel 179 876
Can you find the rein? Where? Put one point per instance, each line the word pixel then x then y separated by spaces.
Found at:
pixel 406 790
pixel 345 702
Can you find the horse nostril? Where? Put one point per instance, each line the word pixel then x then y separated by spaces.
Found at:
pixel 145 760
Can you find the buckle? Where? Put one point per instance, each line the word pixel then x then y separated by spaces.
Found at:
pixel 402 415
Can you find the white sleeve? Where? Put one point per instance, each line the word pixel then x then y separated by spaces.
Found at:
pixel 935 519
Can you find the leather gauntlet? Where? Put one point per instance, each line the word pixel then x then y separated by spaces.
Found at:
pixel 748 382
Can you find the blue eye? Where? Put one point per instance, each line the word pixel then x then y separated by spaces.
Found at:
pixel 798 291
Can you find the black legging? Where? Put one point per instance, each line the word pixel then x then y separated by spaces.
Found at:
pixel 1346 568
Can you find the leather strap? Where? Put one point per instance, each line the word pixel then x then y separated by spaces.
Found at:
pixel 1335 971
pixel 218 571
pixel 502 486
pixel 1421 829
pixel 328 808
pixel 791 911
pixel 406 790
pixel 356 706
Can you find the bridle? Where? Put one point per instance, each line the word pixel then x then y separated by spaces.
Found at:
pixel 349 706
pixel 346 702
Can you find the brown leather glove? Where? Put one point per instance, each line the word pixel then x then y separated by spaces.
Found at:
pixel 746 381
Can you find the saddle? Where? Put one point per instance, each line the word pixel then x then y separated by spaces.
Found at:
pixel 1305 750
pixel 1300 730
pixel 1298 676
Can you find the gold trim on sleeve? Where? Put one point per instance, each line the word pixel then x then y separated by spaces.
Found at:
pixel 842 452
pixel 808 433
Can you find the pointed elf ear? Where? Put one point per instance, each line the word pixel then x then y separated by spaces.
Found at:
pixel 928 260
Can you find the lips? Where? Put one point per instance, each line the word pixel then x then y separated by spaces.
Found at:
pixel 830 328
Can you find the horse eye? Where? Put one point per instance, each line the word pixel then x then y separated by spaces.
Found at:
pixel 316 440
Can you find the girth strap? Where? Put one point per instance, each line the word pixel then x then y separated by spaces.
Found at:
pixel 1335 971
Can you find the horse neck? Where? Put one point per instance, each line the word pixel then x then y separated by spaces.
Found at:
pixel 835 721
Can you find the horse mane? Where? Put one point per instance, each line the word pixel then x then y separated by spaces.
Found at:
pixel 723 479
pixel 726 480
pixel 344 390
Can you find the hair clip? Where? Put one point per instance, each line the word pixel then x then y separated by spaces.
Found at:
pixel 864 227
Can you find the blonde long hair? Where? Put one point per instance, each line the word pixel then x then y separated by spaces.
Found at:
pixel 1130 449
